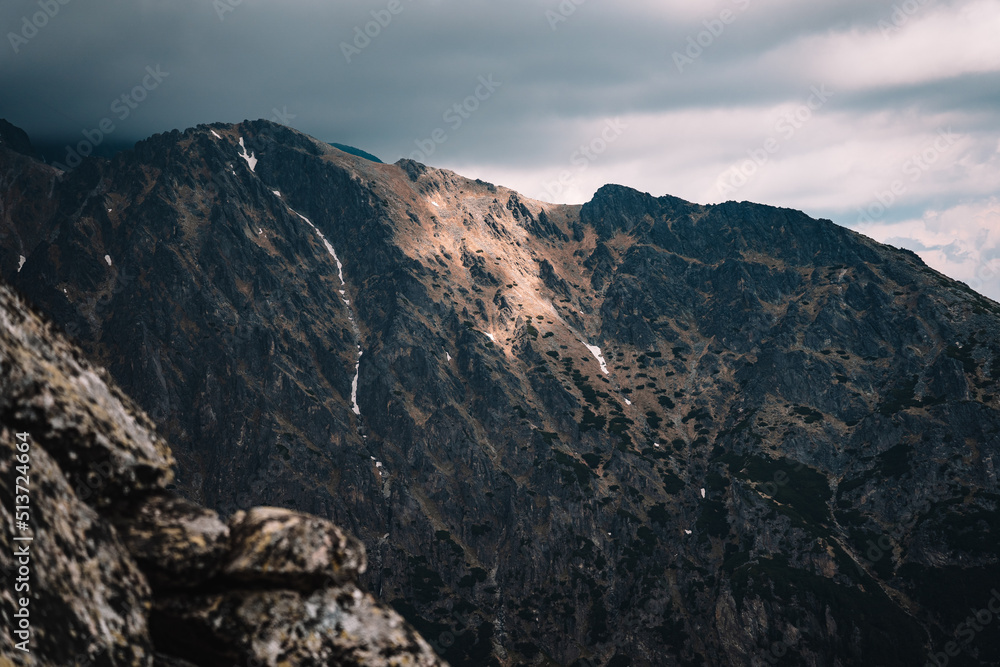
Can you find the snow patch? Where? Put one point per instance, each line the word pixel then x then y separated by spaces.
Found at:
pixel 354 386
pixel 687 532
pixel 447 355
pixel 251 160
pixel 703 493
pixel 596 351
pixel 216 134
pixel 107 258
pixel 628 402
pixel 276 193
pixel 20 263
pixel 435 203
pixel 489 335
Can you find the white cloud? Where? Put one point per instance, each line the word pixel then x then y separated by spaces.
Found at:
pixel 962 242
pixel 833 164
pixel 934 43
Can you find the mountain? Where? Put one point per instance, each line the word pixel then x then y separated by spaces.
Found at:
pixel 640 431
pixel 104 566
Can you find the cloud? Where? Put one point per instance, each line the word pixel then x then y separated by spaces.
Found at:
pixel 933 43
pixel 962 242
pixel 899 71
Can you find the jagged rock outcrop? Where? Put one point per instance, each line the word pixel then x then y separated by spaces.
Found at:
pixel 121 571
pixel 640 431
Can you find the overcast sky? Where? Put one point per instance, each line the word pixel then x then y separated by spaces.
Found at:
pixel 882 115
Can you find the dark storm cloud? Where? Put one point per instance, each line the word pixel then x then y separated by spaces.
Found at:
pixel 229 61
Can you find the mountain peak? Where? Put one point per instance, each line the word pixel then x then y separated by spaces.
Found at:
pixel 638 429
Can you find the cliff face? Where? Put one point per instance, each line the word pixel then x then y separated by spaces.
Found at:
pixel 640 431
pixel 120 571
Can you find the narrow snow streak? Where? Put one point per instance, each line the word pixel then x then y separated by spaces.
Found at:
pixel 107 258
pixel 350 312
pixel 354 385
pixel 251 160
pixel 20 263
pixel 329 248
pixel 216 134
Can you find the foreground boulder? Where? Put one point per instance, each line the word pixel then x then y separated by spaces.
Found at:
pixel 123 572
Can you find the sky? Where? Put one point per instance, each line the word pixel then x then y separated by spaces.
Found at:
pixel 881 115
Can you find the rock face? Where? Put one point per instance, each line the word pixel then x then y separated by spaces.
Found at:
pixel 124 572
pixel 639 431
pixel 277 545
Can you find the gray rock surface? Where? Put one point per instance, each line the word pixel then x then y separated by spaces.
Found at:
pixel 282 547
pixel 178 544
pixel 278 587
